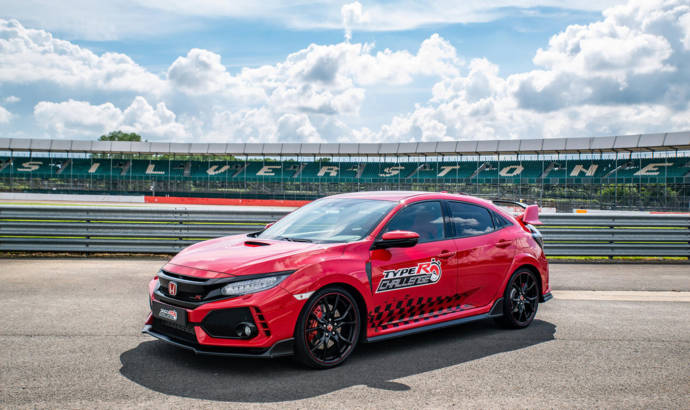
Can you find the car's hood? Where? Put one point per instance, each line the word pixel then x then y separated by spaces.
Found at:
pixel 242 255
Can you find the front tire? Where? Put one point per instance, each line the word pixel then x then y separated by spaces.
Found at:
pixel 328 328
pixel 520 300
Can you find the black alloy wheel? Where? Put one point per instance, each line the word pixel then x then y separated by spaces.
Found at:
pixel 328 328
pixel 520 299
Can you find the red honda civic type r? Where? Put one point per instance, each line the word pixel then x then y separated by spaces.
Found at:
pixel 352 268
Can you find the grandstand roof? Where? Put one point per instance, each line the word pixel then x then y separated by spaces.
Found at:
pixel 670 141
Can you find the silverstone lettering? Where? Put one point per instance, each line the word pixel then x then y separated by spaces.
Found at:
pixel 394 171
pixel 425 273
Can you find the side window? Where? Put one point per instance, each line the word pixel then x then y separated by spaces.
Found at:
pixel 470 220
pixel 500 222
pixel 425 218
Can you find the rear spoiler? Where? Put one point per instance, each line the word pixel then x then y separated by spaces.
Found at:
pixel 531 214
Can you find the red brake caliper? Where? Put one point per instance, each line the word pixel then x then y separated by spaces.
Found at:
pixel 313 323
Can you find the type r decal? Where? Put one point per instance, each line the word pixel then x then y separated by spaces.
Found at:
pixel 425 273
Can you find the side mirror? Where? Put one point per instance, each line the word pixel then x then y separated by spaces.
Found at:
pixel 268 225
pixel 397 239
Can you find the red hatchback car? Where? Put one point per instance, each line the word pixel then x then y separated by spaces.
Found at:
pixel 352 268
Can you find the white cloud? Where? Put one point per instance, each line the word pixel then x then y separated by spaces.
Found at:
pixel 247 125
pixel 200 72
pixel 410 14
pixel 352 14
pixel 684 22
pixel 296 127
pixel 320 79
pixel 261 125
pixel 632 56
pixel 625 74
pixel 77 117
pixel 294 95
pixel 311 99
pixel 435 57
pixel 112 20
pixel 343 64
pixel 158 122
pixel 80 118
pixel 31 56
pixel 12 99
pixel 420 125
pixel 5 115
pixel 97 20
pixel 604 48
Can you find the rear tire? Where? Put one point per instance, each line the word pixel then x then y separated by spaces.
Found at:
pixel 328 328
pixel 520 300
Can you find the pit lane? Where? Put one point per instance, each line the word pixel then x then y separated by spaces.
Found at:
pixel 619 336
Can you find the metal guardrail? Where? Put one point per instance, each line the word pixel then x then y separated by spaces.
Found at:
pixel 120 229
pixel 616 235
pixel 168 230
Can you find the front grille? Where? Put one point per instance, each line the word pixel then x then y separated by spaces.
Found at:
pixel 190 278
pixel 174 331
pixel 191 291
pixel 194 296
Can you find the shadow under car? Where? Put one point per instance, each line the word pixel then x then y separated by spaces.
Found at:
pixel 174 371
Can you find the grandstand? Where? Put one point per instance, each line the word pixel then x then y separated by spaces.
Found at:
pixel 649 171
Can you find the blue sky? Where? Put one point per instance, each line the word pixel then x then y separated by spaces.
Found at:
pixel 349 71
pixel 509 41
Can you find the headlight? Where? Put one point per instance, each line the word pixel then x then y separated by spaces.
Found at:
pixel 245 287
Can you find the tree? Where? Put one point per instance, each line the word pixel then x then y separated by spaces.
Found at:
pixel 120 136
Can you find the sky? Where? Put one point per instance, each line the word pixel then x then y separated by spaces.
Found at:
pixel 324 71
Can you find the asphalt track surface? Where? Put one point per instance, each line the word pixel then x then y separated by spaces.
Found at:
pixel 70 334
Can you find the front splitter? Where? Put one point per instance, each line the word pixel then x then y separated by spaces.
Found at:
pixel 279 349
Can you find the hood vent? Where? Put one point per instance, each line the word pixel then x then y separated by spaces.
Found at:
pixel 254 244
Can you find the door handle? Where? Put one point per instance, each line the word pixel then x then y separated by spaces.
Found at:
pixel 446 254
pixel 503 243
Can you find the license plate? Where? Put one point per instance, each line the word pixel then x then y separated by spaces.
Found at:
pixel 169 313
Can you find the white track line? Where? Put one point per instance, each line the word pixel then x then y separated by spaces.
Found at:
pixel 622 295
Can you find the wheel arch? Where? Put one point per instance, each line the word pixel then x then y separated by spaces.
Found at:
pixel 506 317
pixel 359 299
pixel 534 270
pixel 528 261
pixel 361 303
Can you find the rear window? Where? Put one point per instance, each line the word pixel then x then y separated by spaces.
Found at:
pixel 470 220
pixel 500 221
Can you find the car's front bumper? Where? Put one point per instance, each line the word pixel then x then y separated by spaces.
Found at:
pixel 274 312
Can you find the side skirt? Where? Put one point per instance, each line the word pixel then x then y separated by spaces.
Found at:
pixel 429 327
pixel 497 308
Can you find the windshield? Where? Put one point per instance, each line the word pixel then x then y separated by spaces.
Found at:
pixel 330 220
